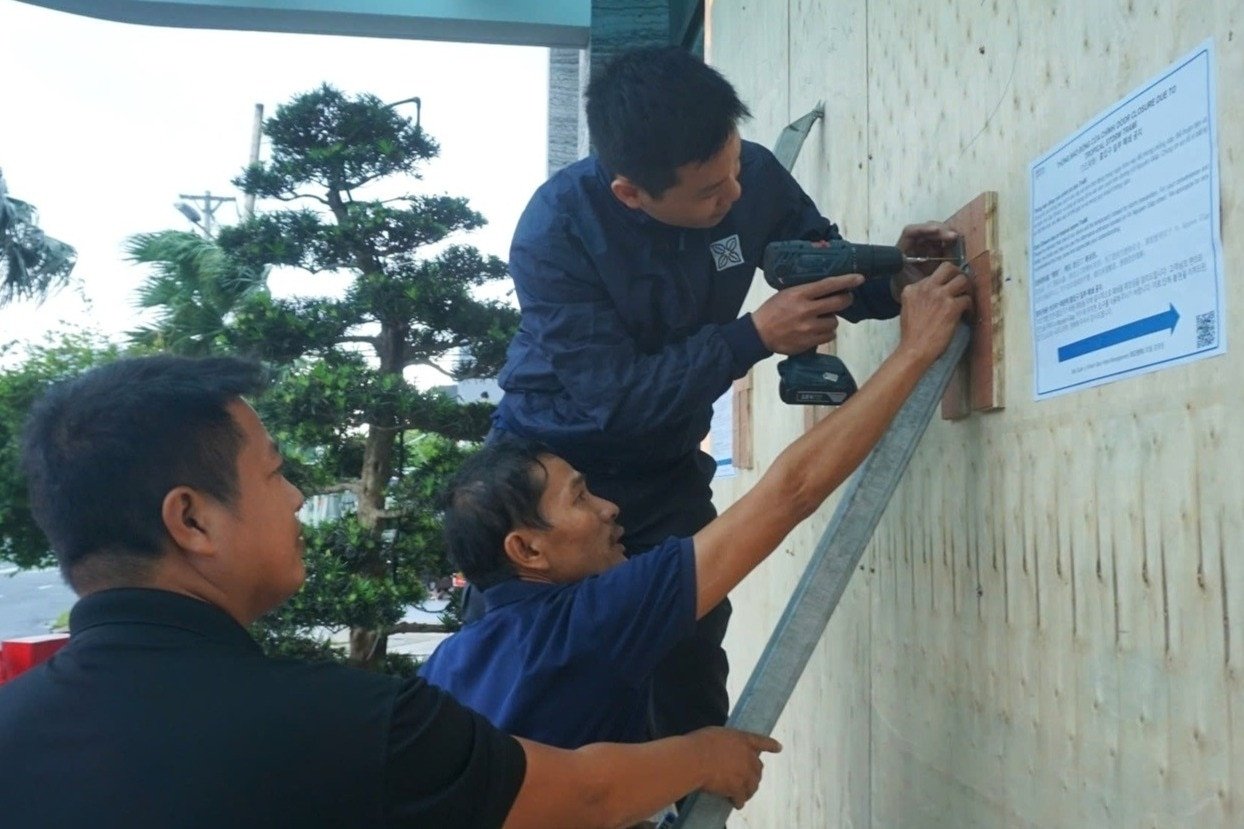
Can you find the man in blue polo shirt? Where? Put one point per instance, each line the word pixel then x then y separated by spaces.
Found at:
pixel 631 267
pixel 574 631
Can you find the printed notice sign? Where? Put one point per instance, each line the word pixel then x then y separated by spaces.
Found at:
pixel 720 440
pixel 1125 251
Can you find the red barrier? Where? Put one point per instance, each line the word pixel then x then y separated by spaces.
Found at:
pixel 22 654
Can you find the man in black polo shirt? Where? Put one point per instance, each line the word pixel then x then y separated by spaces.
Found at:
pixel 163 497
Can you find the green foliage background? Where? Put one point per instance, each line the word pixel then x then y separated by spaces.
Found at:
pixel 59 357
pixel 341 406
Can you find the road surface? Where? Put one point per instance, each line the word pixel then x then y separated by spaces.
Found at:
pixel 30 600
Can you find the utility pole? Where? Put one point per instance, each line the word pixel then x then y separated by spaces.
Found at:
pixel 209 205
pixel 201 209
pixel 248 208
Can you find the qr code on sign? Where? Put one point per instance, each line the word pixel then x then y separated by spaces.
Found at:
pixel 1206 329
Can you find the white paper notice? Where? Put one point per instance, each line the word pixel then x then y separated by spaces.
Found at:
pixel 1126 257
pixel 720 441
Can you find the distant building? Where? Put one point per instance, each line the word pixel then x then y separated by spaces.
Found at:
pixel 327 506
pixel 471 390
pixel 483 390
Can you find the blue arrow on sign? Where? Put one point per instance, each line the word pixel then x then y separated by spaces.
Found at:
pixel 1130 331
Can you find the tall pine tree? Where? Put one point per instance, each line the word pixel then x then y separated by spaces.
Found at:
pixel 343 403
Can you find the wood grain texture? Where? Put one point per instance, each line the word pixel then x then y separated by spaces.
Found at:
pixel 1046 631
pixel 741 400
pixel 977 386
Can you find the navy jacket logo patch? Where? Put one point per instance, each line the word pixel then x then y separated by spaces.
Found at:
pixel 726 252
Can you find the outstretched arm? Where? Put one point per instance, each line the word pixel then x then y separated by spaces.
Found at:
pixel 812 467
pixel 611 785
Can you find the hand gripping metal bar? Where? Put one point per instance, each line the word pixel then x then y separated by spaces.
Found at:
pixel 837 555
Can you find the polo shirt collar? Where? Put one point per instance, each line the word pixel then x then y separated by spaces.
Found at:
pixel 108 611
pixel 514 590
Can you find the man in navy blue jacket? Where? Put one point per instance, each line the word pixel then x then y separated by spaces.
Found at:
pixel 631 267
pixel 569 647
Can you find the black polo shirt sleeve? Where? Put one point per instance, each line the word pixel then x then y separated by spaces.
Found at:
pixel 446 765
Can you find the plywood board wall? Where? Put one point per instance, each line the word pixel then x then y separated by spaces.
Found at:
pixel 833 731
pixel 1048 629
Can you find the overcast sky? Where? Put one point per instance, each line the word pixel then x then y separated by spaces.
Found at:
pixel 103 124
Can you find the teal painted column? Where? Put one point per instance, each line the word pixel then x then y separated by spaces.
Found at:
pixel 563 23
pixel 687 24
pixel 617 25
pixel 567 124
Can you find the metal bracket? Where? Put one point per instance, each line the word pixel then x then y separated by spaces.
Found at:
pixel 790 142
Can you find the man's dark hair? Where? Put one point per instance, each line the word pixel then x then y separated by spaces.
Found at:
pixel 650 111
pixel 102 450
pixel 497 490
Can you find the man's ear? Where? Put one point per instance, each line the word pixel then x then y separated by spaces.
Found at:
pixel 626 191
pixel 184 512
pixel 524 553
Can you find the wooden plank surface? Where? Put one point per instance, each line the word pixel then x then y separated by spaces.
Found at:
pixel 741 401
pixel 978 386
pixel 1047 629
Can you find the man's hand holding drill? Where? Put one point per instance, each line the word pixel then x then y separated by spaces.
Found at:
pixel 800 318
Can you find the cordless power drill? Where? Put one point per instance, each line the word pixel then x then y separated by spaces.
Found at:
pixel 812 378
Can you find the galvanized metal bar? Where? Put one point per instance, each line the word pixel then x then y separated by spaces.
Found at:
pixel 837 554
pixel 788 144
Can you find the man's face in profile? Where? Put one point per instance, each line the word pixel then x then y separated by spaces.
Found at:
pixel 702 194
pixel 583 537
pixel 260 531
